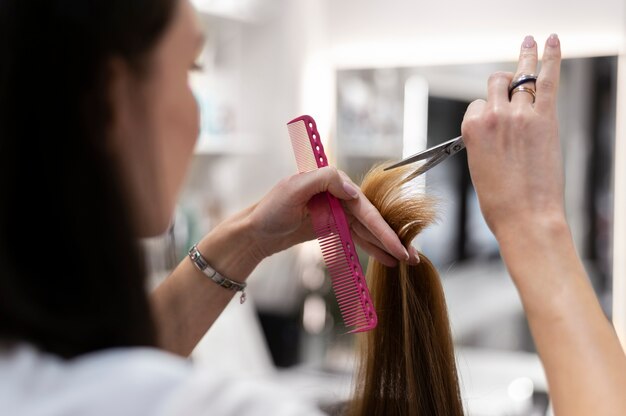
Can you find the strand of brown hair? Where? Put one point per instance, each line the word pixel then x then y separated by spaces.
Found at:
pixel 407 364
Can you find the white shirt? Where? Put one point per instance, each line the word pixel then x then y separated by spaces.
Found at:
pixel 132 381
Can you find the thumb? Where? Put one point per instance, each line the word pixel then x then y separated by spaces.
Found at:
pixel 307 184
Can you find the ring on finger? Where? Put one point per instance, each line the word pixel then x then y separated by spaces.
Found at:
pixel 520 80
pixel 522 88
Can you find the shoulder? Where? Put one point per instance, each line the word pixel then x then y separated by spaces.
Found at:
pixel 133 381
pixel 203 394
pixel 138 380
pixel 117 381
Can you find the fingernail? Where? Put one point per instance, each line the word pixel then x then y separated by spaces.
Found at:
pixel 350 190
pixel 553 40
pixel 529 42
pixel 407 257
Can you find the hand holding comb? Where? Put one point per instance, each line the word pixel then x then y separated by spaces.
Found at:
pixel 333 233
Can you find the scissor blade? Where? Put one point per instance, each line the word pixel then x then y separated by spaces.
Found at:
pixel 431 163
pixel 407 161
pixel 425 154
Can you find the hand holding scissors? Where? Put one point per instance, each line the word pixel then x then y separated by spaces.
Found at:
pixel 437 154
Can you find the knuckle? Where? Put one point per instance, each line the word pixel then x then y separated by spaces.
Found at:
pixel 475 105
pixel 327 173
pixel 370 214
pixel 286 180
pixel 520 118
pixel 487 121
pixel 528 54
pixel 334 174
pixel 286 183
pixel 493 117
pixel 332 171
pixel 552 54
pixel 472 109
pixel 492 77
pixel 469 125
pixel 499 76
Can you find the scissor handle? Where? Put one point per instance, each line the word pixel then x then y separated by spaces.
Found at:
pixel 455 145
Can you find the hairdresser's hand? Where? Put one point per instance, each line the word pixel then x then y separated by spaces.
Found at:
pixel 281 218
pixel 515 162
pixel 513 147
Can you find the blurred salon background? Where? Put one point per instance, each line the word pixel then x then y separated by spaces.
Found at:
pixel 385 79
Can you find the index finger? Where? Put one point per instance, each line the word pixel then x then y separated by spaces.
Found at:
pixel 498 88
pixel 366 213
pixel 548 80
pixel 363 210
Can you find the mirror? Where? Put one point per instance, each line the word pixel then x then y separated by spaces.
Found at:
pixel 386 113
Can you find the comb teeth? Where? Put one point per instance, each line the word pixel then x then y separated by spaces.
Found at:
pixel 302 147
pixel 333 233
pixel 351 294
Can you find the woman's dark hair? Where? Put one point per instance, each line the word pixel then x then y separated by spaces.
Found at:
pixel 72 277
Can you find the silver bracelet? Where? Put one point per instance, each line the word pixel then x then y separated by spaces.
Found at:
pixel 202 265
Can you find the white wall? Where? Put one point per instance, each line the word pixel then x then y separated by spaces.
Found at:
pixel 376 33
pixel 366 33
pixel 278 55
pixel 290 56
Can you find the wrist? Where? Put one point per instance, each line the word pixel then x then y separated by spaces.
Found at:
pixel 231 248
pixel 546 227
pixel 536 239
pixel 542 260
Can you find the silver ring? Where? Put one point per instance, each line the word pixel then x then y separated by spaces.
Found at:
pixel 521 88
pixel 522 79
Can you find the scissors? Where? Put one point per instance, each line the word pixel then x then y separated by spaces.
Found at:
pixel 439 153
pixel 435 155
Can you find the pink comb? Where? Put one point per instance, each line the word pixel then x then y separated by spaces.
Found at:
pixel 332 231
